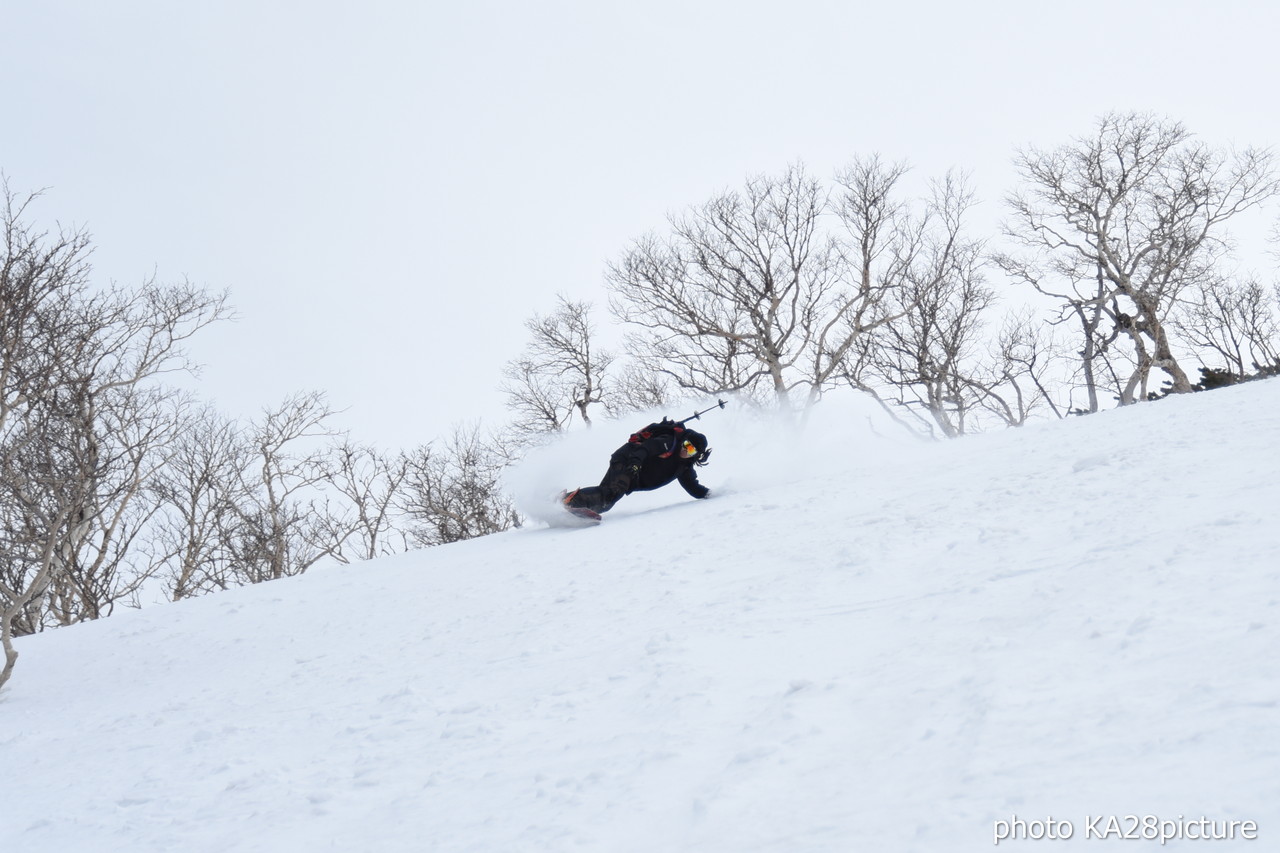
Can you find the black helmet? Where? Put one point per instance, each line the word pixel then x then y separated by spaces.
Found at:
pixel 693 445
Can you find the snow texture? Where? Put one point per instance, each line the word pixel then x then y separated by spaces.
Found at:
pixel 860 642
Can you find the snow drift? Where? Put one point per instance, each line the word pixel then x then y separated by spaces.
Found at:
pixel 859 643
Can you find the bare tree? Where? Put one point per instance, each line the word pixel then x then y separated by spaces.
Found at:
pixel 562 373
pixel 129 425
pixel 1234 323
pixel 199 492
pixel 918 345
pixel 1024 369
pixel 42 278
pixel 1137 208
pixel 928 355
pixel 46 480
pixel 778 290
pixel 283 523
pixel 881 255
pixel 246 505
pixel 126 437
pixel 638 389
pixel 728 301
pixel 1086 305
pixel 372 484
pixel 83 423
pixel 454 490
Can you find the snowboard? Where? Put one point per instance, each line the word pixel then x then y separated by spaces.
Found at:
pixel 572 516
pixel 551 511
pixel 575 517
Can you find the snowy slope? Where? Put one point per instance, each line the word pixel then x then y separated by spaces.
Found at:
pixel 880 646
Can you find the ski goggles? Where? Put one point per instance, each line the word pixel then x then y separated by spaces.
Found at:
pixel 688 450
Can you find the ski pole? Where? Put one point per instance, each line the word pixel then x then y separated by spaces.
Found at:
pixel 720 404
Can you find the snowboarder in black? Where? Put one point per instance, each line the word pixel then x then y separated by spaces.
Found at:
pixel 653 457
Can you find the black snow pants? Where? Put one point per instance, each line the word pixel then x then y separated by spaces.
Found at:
pixel 618 481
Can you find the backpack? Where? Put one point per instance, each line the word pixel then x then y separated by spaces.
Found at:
pixel 661 429
pixel 675 430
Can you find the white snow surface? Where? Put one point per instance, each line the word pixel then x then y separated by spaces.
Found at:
pixel 859 643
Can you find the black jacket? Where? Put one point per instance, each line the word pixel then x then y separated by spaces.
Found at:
pixel 654 462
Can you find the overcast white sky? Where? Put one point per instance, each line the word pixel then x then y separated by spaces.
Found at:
pixel 389 189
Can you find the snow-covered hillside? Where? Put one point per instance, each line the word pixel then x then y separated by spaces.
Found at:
pixel 860 643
